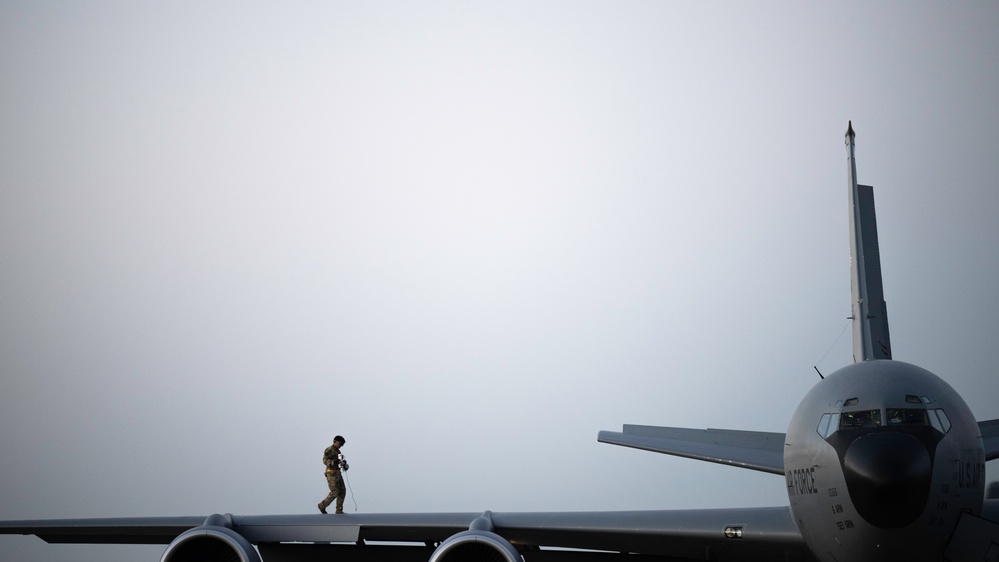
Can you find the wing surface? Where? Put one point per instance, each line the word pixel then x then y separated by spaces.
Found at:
pixel 990 438
pixel 990 509
pixel 753 533
pixel 766 533
pixel 114 530
pixel 755 450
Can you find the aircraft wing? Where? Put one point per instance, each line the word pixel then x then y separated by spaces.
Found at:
pixel 717 534
pixel 990 438
pixel 755 450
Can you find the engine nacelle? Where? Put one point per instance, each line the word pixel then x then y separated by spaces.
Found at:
pixel 212 541
pixel 476 546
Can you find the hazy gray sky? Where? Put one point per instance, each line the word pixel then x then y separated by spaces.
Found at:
pixel 467 237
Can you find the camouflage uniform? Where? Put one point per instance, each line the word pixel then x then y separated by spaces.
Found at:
pixel 334 478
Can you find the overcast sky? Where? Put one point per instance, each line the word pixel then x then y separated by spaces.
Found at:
pixel 467 237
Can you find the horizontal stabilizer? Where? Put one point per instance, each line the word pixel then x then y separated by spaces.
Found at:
pixel 756 450
pixel 990 438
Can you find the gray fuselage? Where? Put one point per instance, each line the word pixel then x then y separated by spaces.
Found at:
pixel 881 458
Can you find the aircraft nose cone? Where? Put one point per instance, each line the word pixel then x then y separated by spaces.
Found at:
pixel 888 474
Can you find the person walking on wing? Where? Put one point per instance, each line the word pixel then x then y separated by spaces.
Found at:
pixel 334 461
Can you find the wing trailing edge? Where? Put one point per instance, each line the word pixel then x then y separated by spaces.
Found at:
pixel 755 450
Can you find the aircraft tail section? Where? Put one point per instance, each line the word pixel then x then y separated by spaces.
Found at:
pixel 868 309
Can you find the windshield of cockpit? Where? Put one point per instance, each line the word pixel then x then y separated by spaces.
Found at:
pixel 863 419
pixel 871 419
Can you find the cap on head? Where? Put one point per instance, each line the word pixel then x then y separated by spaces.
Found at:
pixel 340 439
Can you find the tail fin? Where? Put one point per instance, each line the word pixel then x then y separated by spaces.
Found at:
pixel 869 311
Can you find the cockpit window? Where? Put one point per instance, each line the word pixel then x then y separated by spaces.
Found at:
pixel 828 424
pixel 939 420
pixel 864 419
pixel 896 417
pixel 907 417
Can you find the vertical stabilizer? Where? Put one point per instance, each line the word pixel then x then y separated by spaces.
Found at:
pixel 869 312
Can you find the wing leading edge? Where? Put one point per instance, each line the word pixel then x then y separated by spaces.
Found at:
pixel 755 450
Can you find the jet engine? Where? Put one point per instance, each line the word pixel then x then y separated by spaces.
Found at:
pixel 215 540
pixel 476 546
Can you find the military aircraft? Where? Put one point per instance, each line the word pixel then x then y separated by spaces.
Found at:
pixel 883 460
